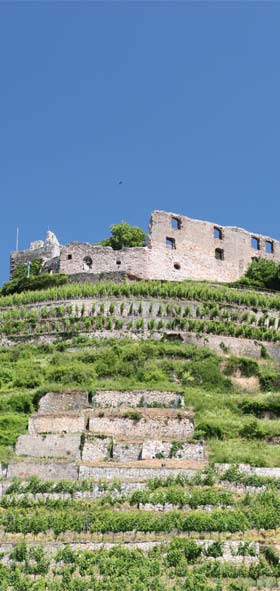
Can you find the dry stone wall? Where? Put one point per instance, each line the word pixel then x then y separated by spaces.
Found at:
pixel 55 402
pixel 138 398
pixel 149 426
pixel 54 446
pixel 60 423
pixel 44 470
pixel 96 448
pixel 63 443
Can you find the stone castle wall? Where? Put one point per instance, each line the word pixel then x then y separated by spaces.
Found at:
pixel 178 248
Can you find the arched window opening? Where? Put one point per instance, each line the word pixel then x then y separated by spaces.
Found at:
pixel 177 266
pixel 219 254
pixel 170 243
pixel 118 262
pixel 176 223
pixel 218 233
pixel 87 263
pixel 269 247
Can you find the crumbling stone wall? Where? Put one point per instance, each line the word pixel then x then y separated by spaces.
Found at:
pixel 46 250
pixel 178 248
pixel 193 245
pixel 77 258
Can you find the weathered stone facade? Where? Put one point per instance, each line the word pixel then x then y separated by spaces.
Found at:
pixel 177 248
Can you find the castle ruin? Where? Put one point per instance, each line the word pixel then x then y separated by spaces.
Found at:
pixel 178 248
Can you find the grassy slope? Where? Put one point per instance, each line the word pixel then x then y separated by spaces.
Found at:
pixel 27 372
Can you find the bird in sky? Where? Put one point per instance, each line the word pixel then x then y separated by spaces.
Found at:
pixel 120 182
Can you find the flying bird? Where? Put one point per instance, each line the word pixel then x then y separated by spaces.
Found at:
pixel 120 182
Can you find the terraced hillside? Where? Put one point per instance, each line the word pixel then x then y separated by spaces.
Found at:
pixel 146 460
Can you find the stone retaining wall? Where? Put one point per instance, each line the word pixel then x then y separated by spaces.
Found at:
pixel 138 398
pixel 54 446
pixel 187 451
pixel 111 472
pixel 154 428
pixel 56 402
pixel 96 449
pixel 43 471
pixel 62 423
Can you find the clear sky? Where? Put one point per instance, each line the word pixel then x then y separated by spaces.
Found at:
pixel 179 100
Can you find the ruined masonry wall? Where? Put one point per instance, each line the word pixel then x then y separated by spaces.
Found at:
pixel 178 248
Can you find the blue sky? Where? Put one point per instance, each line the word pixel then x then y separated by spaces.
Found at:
pixel 180 100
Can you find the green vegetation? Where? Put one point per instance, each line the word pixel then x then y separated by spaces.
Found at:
pixel 29 278
pixel 262 273
pixel 123 235
pixel 206 527
pixel 177 566
pixel 235 427
pixel 186 290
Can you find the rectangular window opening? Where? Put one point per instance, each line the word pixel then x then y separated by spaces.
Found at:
pixel 255 243
pixel 269 247
pixel 219 254
pixel 69 257
pixel 218 233
pixel 170 243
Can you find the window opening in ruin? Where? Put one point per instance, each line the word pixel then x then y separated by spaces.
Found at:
pixel 177 266
pixel 69 257
pixel 87 425
pixel 218 233
pixel 119 262
pixel 170 243
pixel 268 247
pixel 219 254
pixel 88 262
pixel 255 243
pixel 176 223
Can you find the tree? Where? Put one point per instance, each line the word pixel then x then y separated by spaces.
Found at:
pixel 124 235
pixel 264 273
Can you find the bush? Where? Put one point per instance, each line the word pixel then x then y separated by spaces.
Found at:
pixel 264 273
pixel 247 367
